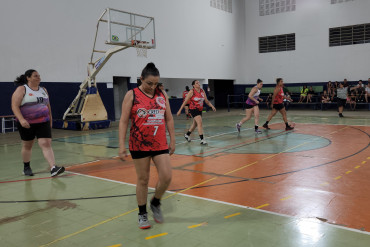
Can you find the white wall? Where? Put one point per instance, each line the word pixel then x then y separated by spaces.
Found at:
pixel 56 37
pixel 313 60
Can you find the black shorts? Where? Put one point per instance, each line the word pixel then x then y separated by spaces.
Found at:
pixel 248 106
pixel 341 102
pixel 144 154
pixel 187 105
pixel 195 112
pixel 278 106
pixel 39 130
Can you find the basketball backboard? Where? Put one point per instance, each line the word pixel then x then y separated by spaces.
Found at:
pixel 129 29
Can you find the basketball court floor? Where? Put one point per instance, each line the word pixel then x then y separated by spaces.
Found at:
pixel 306 187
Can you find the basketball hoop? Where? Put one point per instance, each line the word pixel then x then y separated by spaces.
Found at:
pixel 141 47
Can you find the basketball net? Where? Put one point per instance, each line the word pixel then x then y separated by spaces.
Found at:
pixel 141 48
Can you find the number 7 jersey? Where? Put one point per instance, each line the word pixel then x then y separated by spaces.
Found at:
pixel 148 126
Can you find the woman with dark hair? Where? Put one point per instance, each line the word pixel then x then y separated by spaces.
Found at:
pixel 342 94
pixel 31 106
pixel 186 107
pixel 277 104
pixel 195 97
pixel 149 110
pixel 304 92
pixel 252 107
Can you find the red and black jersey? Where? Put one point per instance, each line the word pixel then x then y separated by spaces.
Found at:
pixel 184 94
pixel 279 97
pixel 148 128
pixel 196 101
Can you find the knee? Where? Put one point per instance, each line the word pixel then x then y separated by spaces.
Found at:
pixel 44 143
pixel 143 181
pixel 166 179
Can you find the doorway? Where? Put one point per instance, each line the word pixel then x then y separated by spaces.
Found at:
pixel 220 89
pixel 120 88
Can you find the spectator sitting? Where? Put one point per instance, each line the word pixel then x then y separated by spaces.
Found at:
pixel 367 91
pixel 360 91
pixel 310 93
pixel 304 92
pixel 352 101
pixel 325 97
pixel 287 100
pixel 268 100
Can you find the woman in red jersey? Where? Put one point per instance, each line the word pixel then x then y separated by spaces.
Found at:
pixel 148 108
pixel 277 104
pixel 195 97
pixel 186 107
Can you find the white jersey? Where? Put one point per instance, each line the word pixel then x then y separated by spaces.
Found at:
pixel 34 106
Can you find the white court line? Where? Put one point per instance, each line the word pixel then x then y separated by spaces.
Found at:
pixel 332 124
pixel 232 204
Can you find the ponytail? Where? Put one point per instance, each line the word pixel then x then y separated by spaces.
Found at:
pixel 149 69
pixel 22 79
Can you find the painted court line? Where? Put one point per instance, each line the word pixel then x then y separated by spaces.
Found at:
pixel 156 236
pixel 206 181
pixel 285 198
pixel 262 206
pixel 198 225
pixel 231 215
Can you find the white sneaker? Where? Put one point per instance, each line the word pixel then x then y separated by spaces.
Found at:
pixel 187 137
pixel 203 142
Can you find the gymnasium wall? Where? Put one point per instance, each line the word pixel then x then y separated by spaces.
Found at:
pixel 56 38
pixel 194 40
pixel 313 60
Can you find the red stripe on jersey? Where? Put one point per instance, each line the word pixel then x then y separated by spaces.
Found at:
pixel 196 101
pixel 148 128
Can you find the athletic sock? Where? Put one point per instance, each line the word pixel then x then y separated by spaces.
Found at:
pixel 286 124
pixel 26 164
pixel 256 127
pixel 188 133
pixel 155 202
pixel 142 209
pixel 52 168
pixel 267 122
pixel 201 137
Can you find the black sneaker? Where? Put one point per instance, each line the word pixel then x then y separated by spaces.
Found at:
pixel 57 170
pixel 341 115
pixel 27 171
pixel 289 127
pixel 266 126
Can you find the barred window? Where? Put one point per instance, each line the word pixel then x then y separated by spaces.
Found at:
pixel 225 5
pixel 283 42
pixel 349 35
pixel 271 7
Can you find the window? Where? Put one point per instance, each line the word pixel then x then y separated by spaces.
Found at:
pixel 271 7
pixel 349 35
pixel 283 42
pixel 225 5
pixel 339 1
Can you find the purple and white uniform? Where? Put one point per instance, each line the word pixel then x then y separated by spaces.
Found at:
pixel 34 106
pixel 256 96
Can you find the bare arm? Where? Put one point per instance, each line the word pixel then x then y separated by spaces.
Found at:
pixel 170 125
pixel 50 114
pixel 209 103
pixel 17 98
pixel 188 97
pixel 123 123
